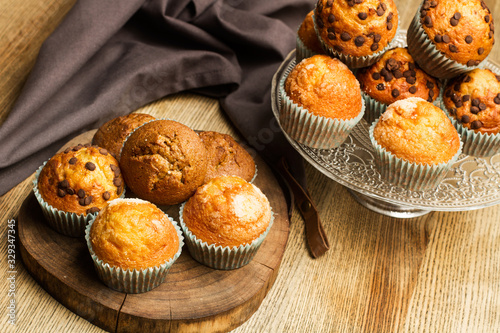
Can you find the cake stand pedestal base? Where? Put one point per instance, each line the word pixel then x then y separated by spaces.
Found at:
pixel 387 208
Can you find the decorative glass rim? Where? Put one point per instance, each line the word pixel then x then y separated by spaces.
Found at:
pixel 472 183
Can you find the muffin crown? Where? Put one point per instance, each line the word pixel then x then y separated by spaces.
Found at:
pixel 356 27
pixel 307 34
pixel 474 100
pixel 461 29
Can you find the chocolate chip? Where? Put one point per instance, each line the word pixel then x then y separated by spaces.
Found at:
pixel 482 106
pixel 72 160
pixel 476 124
pixel 467 78
pixel 459 103
pixel 61 193
pixel 331 18
pixel 392 64
pixel 453 21
pixel 338 48
pixel 475 102
pixel 119 190
pixel 453 111
pixel 431 93
pixel 376 75
pixel 358 1
pixel 487 18
pixel 377 38
pixel 384 6
pixel 389 25
pixel 90 166
pixel 426 5
pixel 407 73
pixel 480 51
pixel 468 39
pixel 465 98
pixel 453 48
pixel 103 151
pixel 411 66
pixel 363 16
pixel 331 36
pixel 345 36
pixel 117 181
pixel 390 16
pixel 428 21
pixel 115 169
pixel 70 191
pixel 412 89
pixel 93 210
pixel 374 47
pixel 388 77
pixel 490 34
pixel 423 12
pixel 81 201
pixel 470 63
pixel 350 3
pixel 433 4
pixel 411 80
pixel 359 41
pixel 63 184
pixel 465 119
pixel 455 98
pixel 492 27
pixel 67 150
pixel 106 195
pixel 397 74
pixel 320 23
pixel 456 86
pixel 81 193
pixel 438 38
pixel 429 99
pixel 395 93
pixel 457 16
pixel 429 85
pixel 380 10
pixel 446 39
pixel 474 109
pixel 329 3
pixel 88 200
pixel 497 99
pixel 380 86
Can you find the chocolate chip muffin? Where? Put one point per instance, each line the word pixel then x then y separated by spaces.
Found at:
pixel 356 31
pixel 112 134
pixel 393 77
pixel 226 157
pixel 80 180
pixel 321 102
pixel 449 37
pixel 307 39
pixel 164 162
pixel 415 144
pixel 473 101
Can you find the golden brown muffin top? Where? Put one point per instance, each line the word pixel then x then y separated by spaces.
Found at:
pixel 396 76
pixel 227 211
pixel 356 27
pixel 474 100
pixel 325 87
pixel 80 180
pixel 308 36
pixel 113 133
pixel 164 162
pixel 133 234
pixel 226 157
pixel 417 131
pixel 461 29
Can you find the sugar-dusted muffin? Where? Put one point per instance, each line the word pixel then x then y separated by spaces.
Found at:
pixel 393 77
pixel 473 101
pixel 415 143
pixel 112 134
pixel 225 222
pixel 75 183
pixel 226 157
pixel 307 39
pixel 449 37
pixel 133 243
pixel 164 162
pixel 356 31
pixel 321 102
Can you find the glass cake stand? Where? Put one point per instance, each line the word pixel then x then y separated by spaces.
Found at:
pixel 472 183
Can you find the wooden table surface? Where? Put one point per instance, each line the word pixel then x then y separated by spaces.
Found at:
pixel 436 273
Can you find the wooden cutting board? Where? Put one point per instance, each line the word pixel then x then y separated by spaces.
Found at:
pixel 194 298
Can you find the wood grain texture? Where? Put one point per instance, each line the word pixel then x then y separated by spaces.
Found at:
pixel 435 273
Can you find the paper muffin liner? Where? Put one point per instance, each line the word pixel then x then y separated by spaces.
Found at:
pixel 309 129
pixel 428 57
pixel 66 223
pixel 352 61
pixel 217 256
pixel 412 176
pixel 132 281
pixel 302 51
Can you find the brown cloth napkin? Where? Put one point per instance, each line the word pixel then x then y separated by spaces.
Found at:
pixel 108 58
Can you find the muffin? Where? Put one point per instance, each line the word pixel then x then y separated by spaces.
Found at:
pixel 393 77
pixel 415 144
pixel 75 184
pixel 355 31
pixel 225 222
pixel 133 244
pixel 473 102
pixel 226 157
pixel 113 133
pixel 320 102
pixel 450 37
pixel 307 40
pixel 164 162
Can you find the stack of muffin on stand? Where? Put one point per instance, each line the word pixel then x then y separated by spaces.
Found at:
pixel 224 217
pixel 425 104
